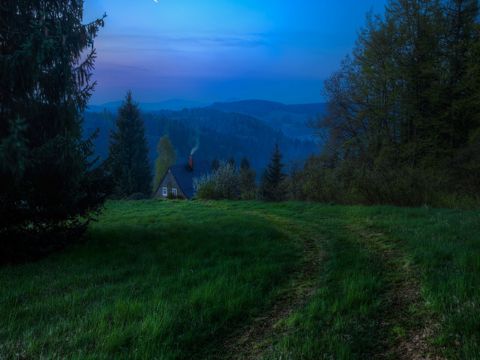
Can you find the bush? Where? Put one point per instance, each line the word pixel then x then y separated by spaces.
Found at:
pixel 223 183
pixel 383 182
pixel 205 187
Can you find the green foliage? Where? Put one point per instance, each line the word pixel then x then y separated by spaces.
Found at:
pixel 50 184
pixel 403 109
pixel 205 187
pixel 128 156
pixel 166 158
pixel 248 187
pixel 272 187
pixel 223 183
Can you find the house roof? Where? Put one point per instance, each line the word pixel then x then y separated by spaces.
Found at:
pixel 184 175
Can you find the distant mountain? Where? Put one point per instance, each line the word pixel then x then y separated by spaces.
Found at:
pixel 174 104
pixel 224 129
pixel 292 120
pixel 221 135
pixel 260 108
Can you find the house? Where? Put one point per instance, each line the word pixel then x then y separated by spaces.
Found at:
pixel 178 180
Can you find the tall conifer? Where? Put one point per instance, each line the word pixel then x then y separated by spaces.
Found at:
pixel 49 181
pixel 128 158
pixel 272 188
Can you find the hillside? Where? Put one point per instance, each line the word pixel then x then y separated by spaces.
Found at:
pixel 182 280
pixel 290 119
pixel 293 120
pixel 261 108
pixel 220 135
pixel 173 104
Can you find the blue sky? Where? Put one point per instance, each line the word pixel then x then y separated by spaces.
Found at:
pixel 217 50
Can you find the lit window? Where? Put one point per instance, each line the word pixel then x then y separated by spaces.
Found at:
pixel 164 191
pixel 174 192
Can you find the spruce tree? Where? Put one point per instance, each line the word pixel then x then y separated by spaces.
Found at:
pixel 231 162
pixel 215 165
pixel 166 158
pixel 128 157
pixel 272 188
pixel 247 180
pixel 50 185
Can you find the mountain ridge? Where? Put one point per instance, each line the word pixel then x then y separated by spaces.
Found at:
pixel 255 107
pixel 242 106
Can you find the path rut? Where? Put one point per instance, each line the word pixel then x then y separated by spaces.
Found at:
pixel 254 340
pixel 408 331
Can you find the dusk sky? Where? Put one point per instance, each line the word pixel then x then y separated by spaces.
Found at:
pixel 217 50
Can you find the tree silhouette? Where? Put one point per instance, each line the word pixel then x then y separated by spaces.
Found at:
pixel 272 188
pixel 128 158
pixel 49 181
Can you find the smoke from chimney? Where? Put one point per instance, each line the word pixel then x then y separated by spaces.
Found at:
pixel 195 148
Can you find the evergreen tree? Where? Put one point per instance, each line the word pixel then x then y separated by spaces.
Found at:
pixel 50 185
pixel 128 157
pixel 231 162
pixel 272 187
pixel 215 165
pixel 166 158
pixel 247 180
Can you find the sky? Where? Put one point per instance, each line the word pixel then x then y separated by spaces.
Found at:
pixel 219 50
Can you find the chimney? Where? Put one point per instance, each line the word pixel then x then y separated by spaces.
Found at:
pixel 190 162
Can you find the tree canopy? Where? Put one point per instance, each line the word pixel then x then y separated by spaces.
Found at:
pixel 403 110
pixel 272 187
pixel 166 158
pixel 50 182
pixel 128 156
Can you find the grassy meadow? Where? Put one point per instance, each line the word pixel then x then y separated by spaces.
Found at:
pixel 184 280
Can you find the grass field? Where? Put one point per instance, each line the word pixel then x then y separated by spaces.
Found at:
pixel 183 280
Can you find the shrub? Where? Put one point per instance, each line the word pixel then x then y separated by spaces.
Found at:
pixel 223 183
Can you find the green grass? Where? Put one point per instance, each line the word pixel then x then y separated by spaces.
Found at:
pixel 176 279
pixel 437 249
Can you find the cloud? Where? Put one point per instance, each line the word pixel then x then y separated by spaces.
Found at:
pixel 181 43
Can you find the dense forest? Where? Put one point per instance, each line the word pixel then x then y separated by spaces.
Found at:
pixel 403 116
pixel 220 135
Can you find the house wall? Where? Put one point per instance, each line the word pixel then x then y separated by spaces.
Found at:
pixel 170 183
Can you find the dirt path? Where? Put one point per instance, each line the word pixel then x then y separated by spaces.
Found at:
pixel 406 328
pixel 254 340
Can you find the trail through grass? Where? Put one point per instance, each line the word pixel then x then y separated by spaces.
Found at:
pixel 185 280
pixel 253 340
pixel 387 291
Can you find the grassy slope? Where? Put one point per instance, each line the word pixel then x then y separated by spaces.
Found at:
pixel 154 278
pixel 373 252
pixel 172 280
